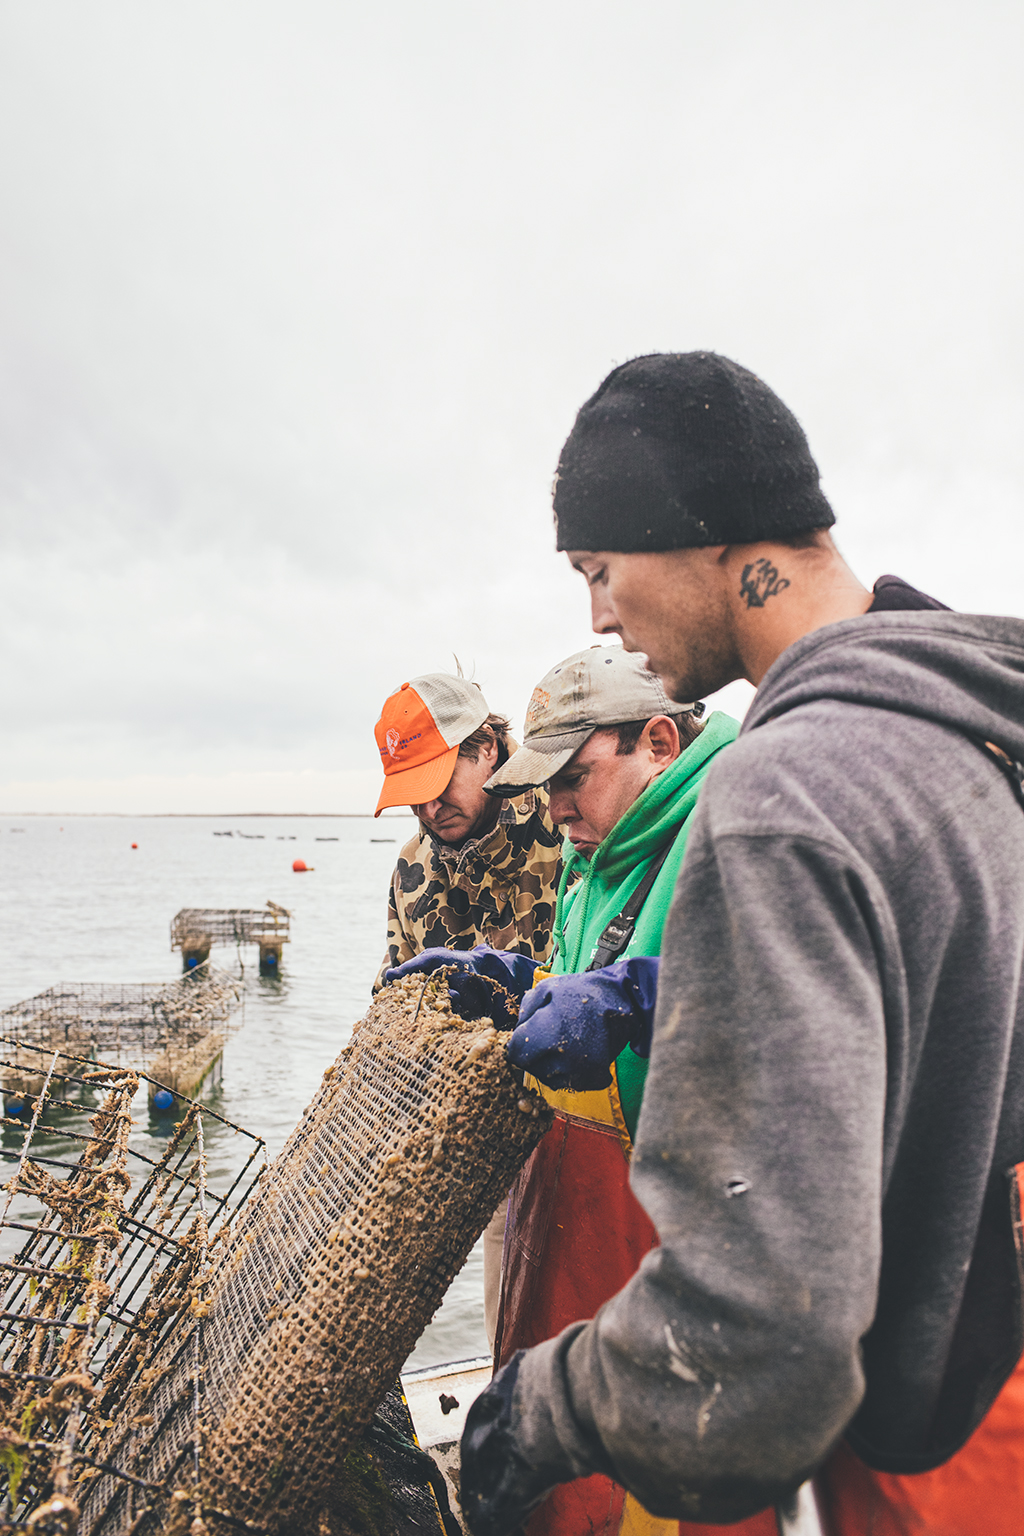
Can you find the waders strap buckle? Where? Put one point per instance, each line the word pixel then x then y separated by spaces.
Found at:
pixel 619 931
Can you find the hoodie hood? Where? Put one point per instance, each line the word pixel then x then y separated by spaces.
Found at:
pixel 963 671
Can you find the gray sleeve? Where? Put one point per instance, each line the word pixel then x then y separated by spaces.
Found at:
pixel 723 1372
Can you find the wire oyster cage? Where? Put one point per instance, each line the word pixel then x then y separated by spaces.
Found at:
pixel 130 1022
pixel 188 1390
pixel 108 1241
pixel 413 1138
pixel 231 925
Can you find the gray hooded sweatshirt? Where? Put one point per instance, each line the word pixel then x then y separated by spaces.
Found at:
pixel 835 1095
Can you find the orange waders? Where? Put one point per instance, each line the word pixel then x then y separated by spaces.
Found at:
pixel 978 1492
pixel 575 1235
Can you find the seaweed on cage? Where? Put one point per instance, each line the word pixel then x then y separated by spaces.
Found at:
pixel 230 1389
pixel 326 1282
pixel 120 1257
pixel 200 927
pixel 131 1021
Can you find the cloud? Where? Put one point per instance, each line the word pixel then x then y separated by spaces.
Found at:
pixel 297 307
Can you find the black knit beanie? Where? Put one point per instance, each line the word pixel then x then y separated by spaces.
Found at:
pixel 680 449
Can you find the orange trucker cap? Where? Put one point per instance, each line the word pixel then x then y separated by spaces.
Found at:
pixel 419 732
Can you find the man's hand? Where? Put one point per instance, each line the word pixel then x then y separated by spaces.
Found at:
pixel 497 1486
pixel 471 987
pixel 571 1028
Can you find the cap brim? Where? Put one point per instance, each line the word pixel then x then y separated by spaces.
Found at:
pixel 531 765
pixel 415 786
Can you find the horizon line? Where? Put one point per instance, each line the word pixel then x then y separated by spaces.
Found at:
pixel 222 815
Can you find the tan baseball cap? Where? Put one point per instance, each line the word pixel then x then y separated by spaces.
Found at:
pixel 419 732
pixel 604 685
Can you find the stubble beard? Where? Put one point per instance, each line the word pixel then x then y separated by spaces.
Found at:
pixel 697 657
pixel 693 674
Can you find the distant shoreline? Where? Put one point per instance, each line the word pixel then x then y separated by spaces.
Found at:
pixel 213 815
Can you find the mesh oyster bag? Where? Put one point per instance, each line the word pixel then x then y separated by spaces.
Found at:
pixel 341 1258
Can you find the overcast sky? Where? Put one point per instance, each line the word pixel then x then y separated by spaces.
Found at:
pixel 298 302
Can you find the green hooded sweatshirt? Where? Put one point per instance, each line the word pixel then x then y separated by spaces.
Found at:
pixel 616 867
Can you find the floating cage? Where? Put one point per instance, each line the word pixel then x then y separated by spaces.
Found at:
pixel 231 925
pixel 174 1030
pixel 108 1244
pixel 194 930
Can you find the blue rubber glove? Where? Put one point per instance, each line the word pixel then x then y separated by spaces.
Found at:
pixel 497 1486
pixel 571 1028
pixel 471 989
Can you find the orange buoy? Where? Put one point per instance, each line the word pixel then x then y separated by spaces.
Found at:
pixel 135 845
pixel 301 867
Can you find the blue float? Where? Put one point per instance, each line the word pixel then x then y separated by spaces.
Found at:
pixel 163 1098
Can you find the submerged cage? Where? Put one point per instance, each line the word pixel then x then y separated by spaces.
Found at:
pixel 172 1029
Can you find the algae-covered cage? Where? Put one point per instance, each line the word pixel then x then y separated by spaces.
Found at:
pixel 121 1021
pixel 108 1237
pixel 333 1270
pixel 170 1030
pixel 182 1347
pixel 194 931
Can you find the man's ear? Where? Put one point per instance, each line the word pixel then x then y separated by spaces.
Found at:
pixel 661 738
pixel 490 752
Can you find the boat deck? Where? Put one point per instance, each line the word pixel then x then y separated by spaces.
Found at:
pixel 439 1431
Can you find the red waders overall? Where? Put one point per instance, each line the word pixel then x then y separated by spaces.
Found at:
pixel 575 1234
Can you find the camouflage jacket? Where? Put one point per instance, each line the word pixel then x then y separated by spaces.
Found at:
pixel 498 889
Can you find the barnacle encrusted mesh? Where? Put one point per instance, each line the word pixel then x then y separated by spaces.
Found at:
pixel 108 1241
pixel 337 1264
pixel 123 1023
pixel 230 925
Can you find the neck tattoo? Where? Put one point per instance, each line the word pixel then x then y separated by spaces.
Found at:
pixel 760 581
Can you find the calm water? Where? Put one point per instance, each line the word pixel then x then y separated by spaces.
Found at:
pixel 77 903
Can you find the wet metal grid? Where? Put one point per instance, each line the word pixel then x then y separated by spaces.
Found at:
pixel 129 1022
pixel 358 1228
pixel 104 1256
pixel 175 1370
pixel 231 925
